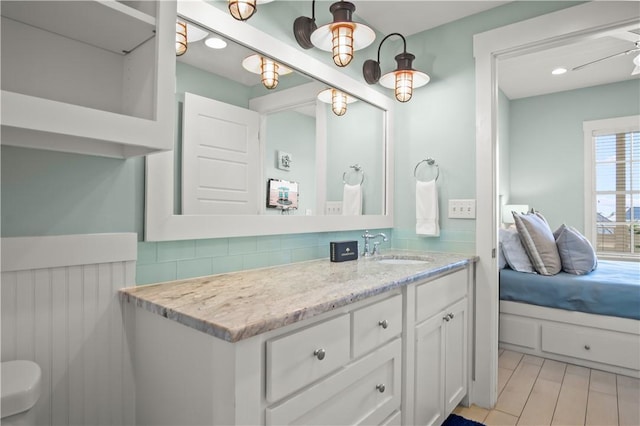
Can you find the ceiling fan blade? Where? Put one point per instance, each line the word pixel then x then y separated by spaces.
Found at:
pixel 626 52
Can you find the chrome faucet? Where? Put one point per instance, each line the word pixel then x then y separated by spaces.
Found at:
pixel 367 237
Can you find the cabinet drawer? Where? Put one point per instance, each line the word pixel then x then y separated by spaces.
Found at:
pixel 608 347
pixel 292 360
pixel 434 296
pixel 376 324
pixel 365 392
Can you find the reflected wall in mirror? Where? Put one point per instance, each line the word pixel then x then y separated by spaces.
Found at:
pixel 317 163
pixel 225 163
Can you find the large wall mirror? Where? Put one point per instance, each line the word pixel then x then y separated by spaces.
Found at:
pixel 255 161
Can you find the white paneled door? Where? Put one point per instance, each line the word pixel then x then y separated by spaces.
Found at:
pixel 220 158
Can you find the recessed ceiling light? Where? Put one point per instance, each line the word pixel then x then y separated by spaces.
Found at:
pixel 215 43
pixel 559 71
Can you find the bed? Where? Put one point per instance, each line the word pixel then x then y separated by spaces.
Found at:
pixel 591 320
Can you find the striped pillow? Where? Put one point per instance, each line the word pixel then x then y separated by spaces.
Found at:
pixel 539 243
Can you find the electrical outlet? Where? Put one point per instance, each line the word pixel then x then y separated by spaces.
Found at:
pixel 462 209
pixel 333 208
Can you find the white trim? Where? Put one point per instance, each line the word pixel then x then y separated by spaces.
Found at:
pixel 591 129
pixel 160 222
pixel 25 253
pixel 554 29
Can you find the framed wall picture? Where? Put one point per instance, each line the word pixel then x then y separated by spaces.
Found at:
pixel 282 194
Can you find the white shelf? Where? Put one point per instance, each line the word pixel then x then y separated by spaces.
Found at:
pixel 109 25
pixel 68 86
pixel 32 122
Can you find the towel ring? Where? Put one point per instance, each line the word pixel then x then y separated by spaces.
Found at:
pixel 430 161
pixel 356 169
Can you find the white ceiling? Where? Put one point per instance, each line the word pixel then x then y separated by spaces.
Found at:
pixel 519 77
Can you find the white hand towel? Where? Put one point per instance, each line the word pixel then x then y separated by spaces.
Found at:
pixel 427 209
pixel 352 200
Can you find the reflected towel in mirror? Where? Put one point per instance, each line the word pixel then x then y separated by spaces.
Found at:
pixel 427 209
pixel 352 200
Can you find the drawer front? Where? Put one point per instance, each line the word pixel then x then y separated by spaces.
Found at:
pixel 365 392
pixel 434 296
pixel 376 324
pixel 297 359
pixel 608 347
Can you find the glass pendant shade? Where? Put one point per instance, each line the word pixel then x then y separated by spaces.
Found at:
pixel 242 9
pixel 342 44
pixel 337 99
pixel 404 86
pixel 338 102
pixel 268 73
pixel 181 38
pixel 269 70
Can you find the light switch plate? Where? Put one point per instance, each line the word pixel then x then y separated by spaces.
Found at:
pixel 462 209
pixel 284 160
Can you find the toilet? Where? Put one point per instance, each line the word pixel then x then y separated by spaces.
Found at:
pixel 20 392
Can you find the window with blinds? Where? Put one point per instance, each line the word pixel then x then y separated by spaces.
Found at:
pixel 617 193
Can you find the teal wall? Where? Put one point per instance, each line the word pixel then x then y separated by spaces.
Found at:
pixel 294 133
pixel 439 122
pixel 46 193
pixel 547 146
pixel 504 166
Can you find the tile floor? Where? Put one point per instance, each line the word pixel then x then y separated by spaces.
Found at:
pixel 538 391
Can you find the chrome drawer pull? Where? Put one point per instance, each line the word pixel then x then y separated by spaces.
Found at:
pixel 380 388
pixel 384 324
pixel 587 347
pixel 319 353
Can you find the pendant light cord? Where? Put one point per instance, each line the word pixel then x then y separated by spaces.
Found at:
pixel 386 37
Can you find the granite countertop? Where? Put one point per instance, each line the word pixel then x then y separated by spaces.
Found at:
pixel 239 305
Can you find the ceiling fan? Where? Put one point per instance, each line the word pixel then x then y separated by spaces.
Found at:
pixel 636 60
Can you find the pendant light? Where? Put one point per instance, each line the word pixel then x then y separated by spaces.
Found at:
pixel 341 37
pixel 403 79
pixel 242 9
pixel 268 69
pixel 181 38
pixel 337 99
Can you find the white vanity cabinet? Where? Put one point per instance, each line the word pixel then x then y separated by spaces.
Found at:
pixel 440 360
pixel 343 367
pixel 88 76
pixel 338 352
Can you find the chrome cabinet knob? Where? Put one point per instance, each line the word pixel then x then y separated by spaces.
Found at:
pixel 587 347
pixel 384 324
pixel 451 315
pixel 446 318
pixel 319 353
pixel 380 388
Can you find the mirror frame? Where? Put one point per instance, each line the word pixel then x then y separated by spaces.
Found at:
pixel 161 224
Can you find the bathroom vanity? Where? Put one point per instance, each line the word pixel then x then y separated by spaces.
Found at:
pixel 380 340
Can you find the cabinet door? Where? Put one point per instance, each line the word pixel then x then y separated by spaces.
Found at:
pixel 429 372
pixel 455 355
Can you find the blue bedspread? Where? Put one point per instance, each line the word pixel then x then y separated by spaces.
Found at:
pixel 612 289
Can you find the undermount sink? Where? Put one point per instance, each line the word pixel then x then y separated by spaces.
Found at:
pixel 404 260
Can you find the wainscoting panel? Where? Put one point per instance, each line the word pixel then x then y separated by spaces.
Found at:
pixel 60 309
